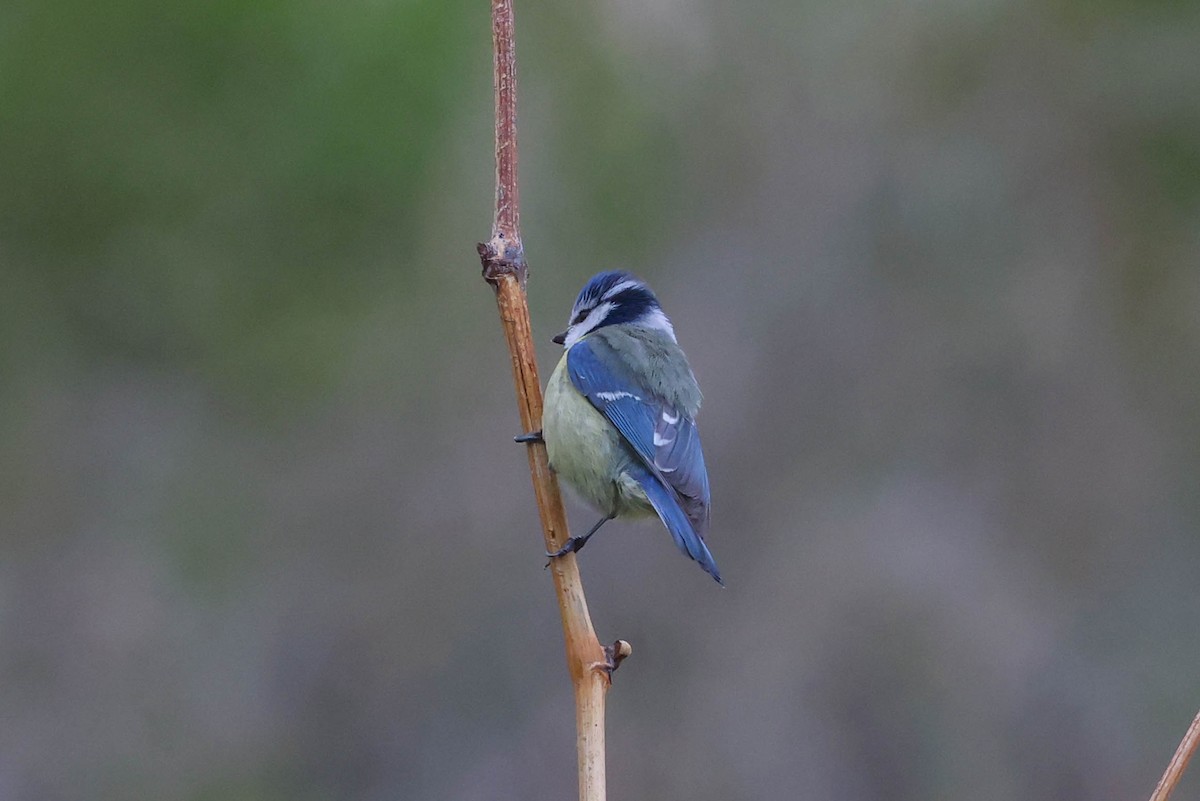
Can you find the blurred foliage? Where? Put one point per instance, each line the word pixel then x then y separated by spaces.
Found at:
pixel 203 187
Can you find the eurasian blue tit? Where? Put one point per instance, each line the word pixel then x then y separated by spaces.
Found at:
pixel 619 418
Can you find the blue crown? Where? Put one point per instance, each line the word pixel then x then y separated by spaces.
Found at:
pixel 632 301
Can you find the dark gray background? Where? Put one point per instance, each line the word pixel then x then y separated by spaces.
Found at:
pixel 263 532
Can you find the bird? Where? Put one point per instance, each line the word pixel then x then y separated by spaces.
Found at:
pixel 619 418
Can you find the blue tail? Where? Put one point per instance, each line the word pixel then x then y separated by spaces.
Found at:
pixel 673 517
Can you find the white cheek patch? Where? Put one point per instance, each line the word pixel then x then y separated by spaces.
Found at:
pixel 580 329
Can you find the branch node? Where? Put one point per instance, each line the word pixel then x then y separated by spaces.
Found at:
pixel 614 655
pixel 501 256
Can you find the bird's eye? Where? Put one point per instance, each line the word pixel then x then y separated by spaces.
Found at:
pixel 579 318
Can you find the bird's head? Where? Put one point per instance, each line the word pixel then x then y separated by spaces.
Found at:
pixel 613 298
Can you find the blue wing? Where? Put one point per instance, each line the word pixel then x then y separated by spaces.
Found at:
pixel 665 439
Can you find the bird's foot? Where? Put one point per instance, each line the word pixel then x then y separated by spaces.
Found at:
pixel 530 438
pixel 573 545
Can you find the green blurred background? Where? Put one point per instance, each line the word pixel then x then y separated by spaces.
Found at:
pixel 264 533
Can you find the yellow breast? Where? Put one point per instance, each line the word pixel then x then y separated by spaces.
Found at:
pixel 586 450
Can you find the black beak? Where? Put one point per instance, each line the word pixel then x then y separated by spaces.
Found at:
pixel 559 339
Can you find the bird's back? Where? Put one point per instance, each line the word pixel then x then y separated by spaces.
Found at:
pixel 653 360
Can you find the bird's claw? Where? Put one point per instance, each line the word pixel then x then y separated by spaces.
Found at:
pixel 573 545
pixel 530 438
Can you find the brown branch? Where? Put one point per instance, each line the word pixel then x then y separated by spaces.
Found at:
pixel 1174 771
pixel 503 257
pixel 508 196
